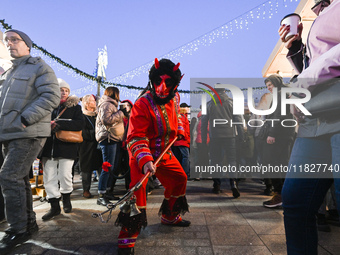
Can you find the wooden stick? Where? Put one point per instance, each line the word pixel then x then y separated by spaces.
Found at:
pixel 139 184
pixel 134 188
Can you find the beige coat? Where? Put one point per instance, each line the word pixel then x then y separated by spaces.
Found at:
pixel 108 115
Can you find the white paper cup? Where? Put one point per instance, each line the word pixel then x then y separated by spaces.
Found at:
pixel 122 105
pixel 293 20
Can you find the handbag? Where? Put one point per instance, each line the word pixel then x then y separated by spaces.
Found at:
pixel 68 136
pixel 325 100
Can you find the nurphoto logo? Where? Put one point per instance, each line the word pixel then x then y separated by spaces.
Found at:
pixel 238 99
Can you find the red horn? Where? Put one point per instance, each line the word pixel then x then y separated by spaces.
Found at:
pixel 176 67
pixel 156 63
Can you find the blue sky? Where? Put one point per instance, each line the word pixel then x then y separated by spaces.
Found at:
pixel 135 32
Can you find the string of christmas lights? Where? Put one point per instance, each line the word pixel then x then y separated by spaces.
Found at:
pixel 243 21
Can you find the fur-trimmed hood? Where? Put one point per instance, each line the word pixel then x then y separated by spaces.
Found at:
pixel 71 101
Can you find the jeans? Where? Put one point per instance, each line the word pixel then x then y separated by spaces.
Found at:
pixel 19 155
pixel 110 153
pixel 219 148
pixel 182 155
pixel 302 197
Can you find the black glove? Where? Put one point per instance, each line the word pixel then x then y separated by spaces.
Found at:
pixel 126 114
pixel 55 127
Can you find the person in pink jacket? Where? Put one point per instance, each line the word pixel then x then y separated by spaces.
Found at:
pixel 318 140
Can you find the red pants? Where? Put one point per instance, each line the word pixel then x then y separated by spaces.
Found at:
pixel 170 173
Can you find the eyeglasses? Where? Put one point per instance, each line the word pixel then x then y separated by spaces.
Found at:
pixel 12 40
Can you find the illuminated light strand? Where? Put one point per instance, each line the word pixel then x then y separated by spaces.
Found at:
pixel 264 10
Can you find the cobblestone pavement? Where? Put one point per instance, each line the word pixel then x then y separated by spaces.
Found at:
pixel 220 225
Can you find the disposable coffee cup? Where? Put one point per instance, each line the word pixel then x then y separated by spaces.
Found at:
pixel 293 20
pixel 122 106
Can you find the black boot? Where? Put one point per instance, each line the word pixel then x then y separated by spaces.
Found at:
pixel 102 200
pixel 126 251
pixel 216 188
pixel 268 190
pixel 11 240
pixel 234 188
pixel 54 211
pixel 32 227
pixel 67 202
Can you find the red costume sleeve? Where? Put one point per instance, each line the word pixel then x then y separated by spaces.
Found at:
pixel 137 137
pixel 181 130
pixel 151 128
pixel 186 139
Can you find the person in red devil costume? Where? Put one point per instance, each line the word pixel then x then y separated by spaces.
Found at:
pixel 154 123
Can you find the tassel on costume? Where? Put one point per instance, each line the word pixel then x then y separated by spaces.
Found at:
pixel 180 206
pixel 132 224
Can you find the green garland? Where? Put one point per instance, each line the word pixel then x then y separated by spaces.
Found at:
pixel 89 76
pixel 63 63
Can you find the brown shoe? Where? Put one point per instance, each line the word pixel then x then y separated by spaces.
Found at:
pixel 275 202
pixel 87 194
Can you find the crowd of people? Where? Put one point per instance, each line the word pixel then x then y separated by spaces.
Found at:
pixel 121 139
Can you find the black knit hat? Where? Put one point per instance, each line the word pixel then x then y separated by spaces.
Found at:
pixel 23 36
pixel 184 105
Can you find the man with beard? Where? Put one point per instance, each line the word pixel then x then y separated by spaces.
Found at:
pixel 154 123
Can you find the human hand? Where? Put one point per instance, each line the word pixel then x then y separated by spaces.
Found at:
pixel 300 117
pixel 54 126
pixel 149 167
pixel 270 140
pixel 126 114
pixel 284 30
pixel 180 137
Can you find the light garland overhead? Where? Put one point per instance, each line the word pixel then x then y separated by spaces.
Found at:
pixel 243 21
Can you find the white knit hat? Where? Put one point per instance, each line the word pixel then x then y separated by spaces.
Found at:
pixel 63 84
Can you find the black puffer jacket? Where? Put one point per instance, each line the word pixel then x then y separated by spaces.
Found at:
pixel 73 120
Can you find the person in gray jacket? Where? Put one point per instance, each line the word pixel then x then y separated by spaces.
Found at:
pixel 29 91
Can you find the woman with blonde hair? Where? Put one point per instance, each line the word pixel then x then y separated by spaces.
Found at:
pixel 90 158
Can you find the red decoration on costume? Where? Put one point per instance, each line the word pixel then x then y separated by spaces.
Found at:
pixel 156 63
pixel 151 128
pixel 106 166
pixel 176 67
